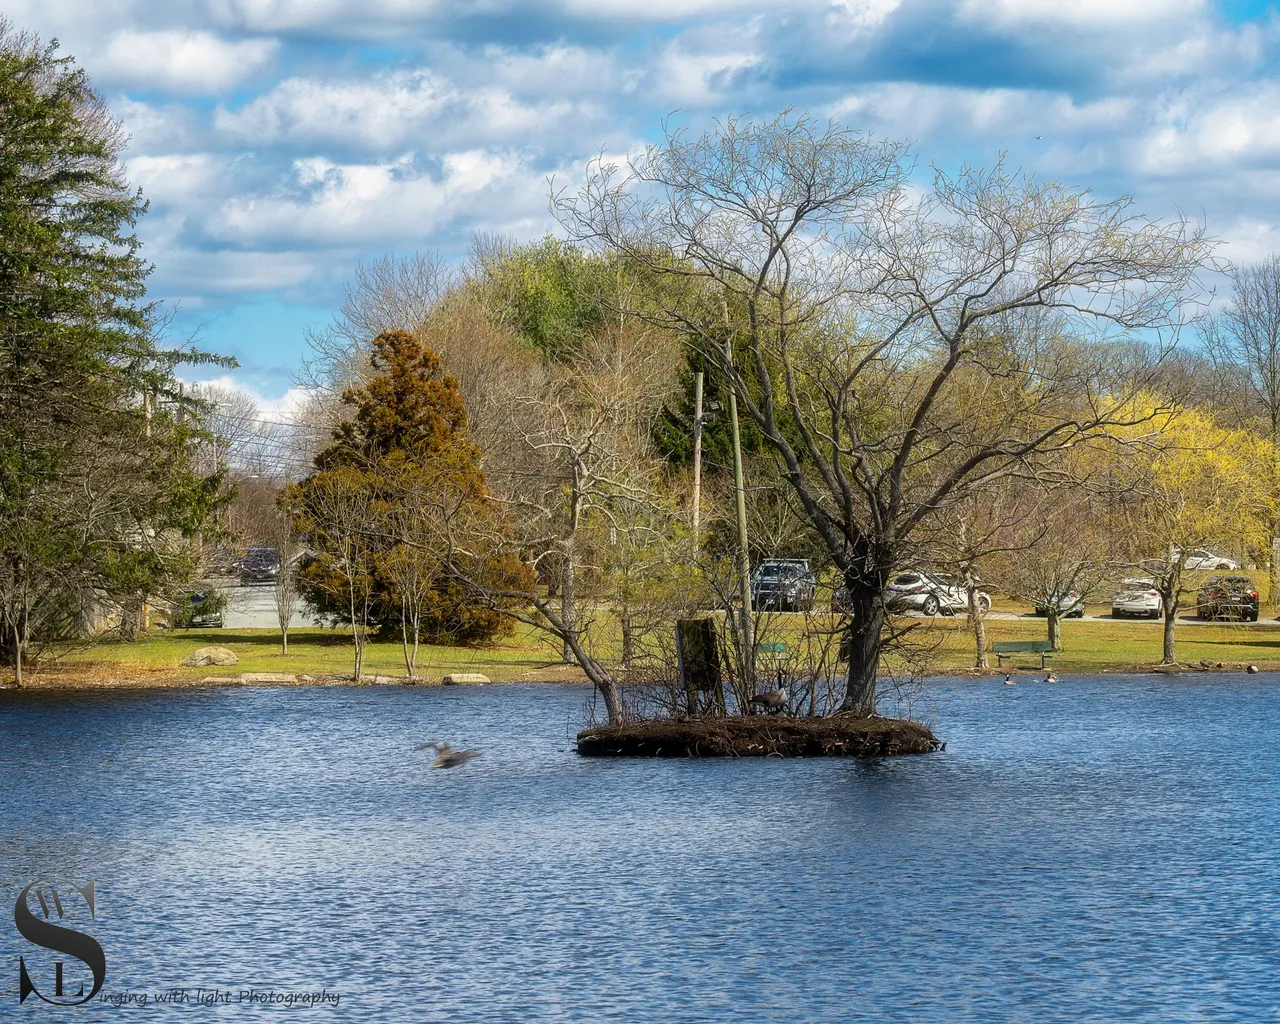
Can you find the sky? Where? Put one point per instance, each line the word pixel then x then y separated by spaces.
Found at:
pixel 281 142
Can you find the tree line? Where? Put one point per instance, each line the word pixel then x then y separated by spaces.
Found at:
pixel 1004 377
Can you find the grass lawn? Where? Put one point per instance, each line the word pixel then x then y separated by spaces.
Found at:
pixel 1092 646
pixel 1089 646
pixel 312 651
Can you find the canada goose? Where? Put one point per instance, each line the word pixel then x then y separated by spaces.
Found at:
pixel 1051 678
pixel 1008 680
pixel 772 701
pixel 447 757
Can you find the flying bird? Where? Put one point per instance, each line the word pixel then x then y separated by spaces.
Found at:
pixel 447 757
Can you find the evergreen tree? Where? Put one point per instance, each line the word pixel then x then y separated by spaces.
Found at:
pixel 99 488
pixel 406 450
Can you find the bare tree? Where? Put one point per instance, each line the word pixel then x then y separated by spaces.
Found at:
pixel 874 319
pixel 284 588
pixel 394 293
pixel 1067 553
pixel 338 518
pixel 1244 339
pixel 584 439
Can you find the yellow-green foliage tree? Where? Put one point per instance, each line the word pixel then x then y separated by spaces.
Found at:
pixel 1193 483
pixel 407 455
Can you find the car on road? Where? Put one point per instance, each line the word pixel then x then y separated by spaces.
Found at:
pixel 200 609
pixel 1228 597
pixel 1069 604
pixel 930 592
pixel 783 584
pixel 1136 597
pixel 260 565
pixel 1201 558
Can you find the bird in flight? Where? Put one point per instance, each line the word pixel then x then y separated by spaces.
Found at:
pixel 447 757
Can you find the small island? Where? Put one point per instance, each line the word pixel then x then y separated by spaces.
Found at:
pixel 760 736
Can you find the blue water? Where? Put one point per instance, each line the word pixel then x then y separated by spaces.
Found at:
pixel 1098 850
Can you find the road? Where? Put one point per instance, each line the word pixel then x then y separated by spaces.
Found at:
pixel 255 608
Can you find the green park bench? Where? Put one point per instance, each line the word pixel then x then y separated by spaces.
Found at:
pixel 1007 648
pixel 771 653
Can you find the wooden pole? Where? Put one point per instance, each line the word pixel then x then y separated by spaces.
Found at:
pixel 744 555
pixel 697 455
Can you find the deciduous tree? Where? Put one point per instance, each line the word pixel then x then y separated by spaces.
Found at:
pixel 865 305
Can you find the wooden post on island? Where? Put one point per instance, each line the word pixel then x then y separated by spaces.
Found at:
pixel 698 660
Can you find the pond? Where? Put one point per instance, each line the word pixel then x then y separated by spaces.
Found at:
pixel 1100 849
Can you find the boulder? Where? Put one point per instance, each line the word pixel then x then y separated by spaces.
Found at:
pixel 210 656
pixel 463 678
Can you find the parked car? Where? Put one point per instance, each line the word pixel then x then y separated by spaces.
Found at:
pixel 200 609
pixel 1138 597
pixel 784 584
pixel 1203 559
pixel 1228 597
pixel 260 565
pixel 1069 604
pixel 930 592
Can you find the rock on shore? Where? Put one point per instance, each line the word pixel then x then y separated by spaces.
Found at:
pixel 206 656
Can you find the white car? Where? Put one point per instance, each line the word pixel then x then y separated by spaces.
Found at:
pixel 930 592
pixel 1202 559
pixel 1138 597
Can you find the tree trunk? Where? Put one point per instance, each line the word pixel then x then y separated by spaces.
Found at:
pixel 1273 571
pixel 404 637
pixel 1055 625
pixel 129 615
pixel 1169 655
pixel 978 622
pixel 628 637
pixel 567 609
pixel 284 640
pixel 17 655
pixel 867 607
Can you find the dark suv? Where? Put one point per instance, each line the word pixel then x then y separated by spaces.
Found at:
pixel 1228 597
pixel 785 584
pixel 259 565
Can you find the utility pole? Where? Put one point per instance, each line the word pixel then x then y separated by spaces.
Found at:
pixel 697 455
pixel 744 556
pixel 144 612
pixel 747 627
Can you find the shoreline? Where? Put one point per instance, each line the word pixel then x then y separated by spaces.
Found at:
pixel 556 675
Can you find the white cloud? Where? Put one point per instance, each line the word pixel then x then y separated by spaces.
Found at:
pixel 929 112
pixel 183 61
pixel 177 178
pixel 156 128
pixel 391 111
pixel 377 111
pixel 1192 131
pixel 684 77
pixel 387 203
pixel 282 409
pixel 191 276
pixel 1087 14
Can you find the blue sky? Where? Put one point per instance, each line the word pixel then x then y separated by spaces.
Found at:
pixel 282 141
